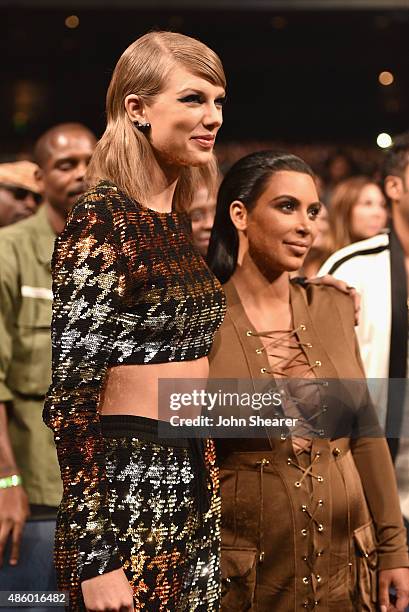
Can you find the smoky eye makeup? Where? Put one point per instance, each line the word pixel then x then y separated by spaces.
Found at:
pixel 199 99
pixel 315 210
pixel 191 98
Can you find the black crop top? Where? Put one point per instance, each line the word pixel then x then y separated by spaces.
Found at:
pixel 129 288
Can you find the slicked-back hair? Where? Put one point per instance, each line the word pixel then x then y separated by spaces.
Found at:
pixel 124 154
pixel 245 181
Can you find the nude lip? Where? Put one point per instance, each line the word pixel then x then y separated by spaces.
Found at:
pixel 299 248
pixel 206 141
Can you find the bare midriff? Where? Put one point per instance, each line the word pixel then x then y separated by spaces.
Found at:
pixel 133 389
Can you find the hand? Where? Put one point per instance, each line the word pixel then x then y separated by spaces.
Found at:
pixel 14 511
pixel 110 591
pixel 399 579
pixel 331 281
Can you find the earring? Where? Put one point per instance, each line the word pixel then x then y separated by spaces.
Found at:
pixel 142 127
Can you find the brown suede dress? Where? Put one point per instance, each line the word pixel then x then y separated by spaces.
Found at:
pixel 306 522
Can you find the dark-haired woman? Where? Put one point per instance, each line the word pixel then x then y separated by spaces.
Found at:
pixel 310 517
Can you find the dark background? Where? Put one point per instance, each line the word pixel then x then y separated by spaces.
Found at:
pixel 296 76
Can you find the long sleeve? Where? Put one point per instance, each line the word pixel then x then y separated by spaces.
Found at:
pixel 86 288
pixel 373 460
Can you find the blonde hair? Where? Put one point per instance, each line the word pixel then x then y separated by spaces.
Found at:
pixel 343 200
pixel 124 154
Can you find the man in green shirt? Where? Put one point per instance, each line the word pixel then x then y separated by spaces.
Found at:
pixel 29 474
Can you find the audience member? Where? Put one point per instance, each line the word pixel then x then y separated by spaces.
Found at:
pixel 29 474
pixel 19 195
pixel 338 166
pixel 357 211
pixel 201 212
pixel 379 269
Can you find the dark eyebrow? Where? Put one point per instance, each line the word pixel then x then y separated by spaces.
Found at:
pixel 293 199
pixel 197 91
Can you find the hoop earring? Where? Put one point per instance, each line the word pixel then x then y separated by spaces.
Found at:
pixel 142 127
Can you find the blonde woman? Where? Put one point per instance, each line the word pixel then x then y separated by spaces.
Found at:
pixel 357 211
pixel 134 302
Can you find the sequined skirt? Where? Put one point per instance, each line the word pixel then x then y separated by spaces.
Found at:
pixel 170 553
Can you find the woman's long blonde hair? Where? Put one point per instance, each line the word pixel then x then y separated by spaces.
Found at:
pixel 124 154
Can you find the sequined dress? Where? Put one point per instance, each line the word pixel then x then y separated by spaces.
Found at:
pixel 129 288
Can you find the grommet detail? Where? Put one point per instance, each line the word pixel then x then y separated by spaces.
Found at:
pixel 320 527
pixel 320 553
pixel 263 370
pixel 297 484
pixel 302 327
pixel 320 479
pixel 336 452
pixel 318 363
pixel 249 332
pixel 308 345
pixel 320 502
pixel 283 437
pixel 304 508
pixel 318 577
pixel 304 558
pixel 318 454
pixel 263 462
pixel 304 532
pixel 305 580
pixel 258 351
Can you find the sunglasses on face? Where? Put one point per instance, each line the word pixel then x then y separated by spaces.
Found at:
pixel 20 193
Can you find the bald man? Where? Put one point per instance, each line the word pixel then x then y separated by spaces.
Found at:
pixel 29 475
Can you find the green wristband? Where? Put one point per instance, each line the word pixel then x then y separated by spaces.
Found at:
pixel 10 481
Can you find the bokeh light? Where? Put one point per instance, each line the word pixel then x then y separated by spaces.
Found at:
pixel 72 22
pixel 386 78
pixel 384 140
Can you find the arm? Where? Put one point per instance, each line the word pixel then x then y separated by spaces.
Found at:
pixel 14 508
pixel 86 301
pixel 374 464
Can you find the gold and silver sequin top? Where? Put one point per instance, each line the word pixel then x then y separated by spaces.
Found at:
pixel 129 288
